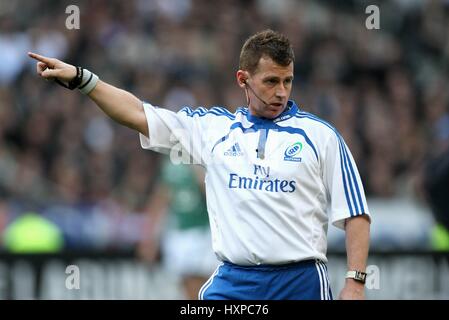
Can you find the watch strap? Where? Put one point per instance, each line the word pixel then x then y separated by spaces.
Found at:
pixel 356 275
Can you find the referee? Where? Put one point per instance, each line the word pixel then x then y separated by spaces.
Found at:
pixel 275 176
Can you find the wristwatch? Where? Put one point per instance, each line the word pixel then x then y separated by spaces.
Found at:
pixel 357 275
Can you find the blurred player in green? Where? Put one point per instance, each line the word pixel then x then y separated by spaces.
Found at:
pixel 179 226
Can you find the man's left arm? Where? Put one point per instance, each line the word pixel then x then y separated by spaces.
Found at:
pixel 357 245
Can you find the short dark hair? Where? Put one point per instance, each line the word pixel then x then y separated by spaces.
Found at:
pixel 269 43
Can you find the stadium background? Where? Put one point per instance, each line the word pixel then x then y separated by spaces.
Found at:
pixel 385 90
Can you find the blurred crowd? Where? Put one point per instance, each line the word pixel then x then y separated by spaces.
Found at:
pixel 385 90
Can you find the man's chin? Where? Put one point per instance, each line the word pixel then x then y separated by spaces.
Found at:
pixel 273 112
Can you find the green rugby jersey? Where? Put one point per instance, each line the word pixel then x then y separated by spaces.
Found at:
pixel 187 206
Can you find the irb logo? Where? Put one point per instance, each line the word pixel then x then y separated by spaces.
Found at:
pixel 291 153
pixel 293 150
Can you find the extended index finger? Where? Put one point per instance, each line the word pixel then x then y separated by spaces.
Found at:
pixel 40 58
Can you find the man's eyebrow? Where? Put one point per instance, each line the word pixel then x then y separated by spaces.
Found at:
pixel 271 77
pixel 276 77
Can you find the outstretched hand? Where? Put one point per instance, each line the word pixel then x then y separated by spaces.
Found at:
pixel 50 68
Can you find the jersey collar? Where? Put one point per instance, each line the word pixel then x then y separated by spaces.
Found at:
pixel 289 112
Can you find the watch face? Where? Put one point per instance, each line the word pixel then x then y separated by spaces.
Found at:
pixel 361 276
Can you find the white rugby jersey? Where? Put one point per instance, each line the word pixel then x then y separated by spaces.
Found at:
pixel 271 185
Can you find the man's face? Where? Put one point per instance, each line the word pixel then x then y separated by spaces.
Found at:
pixel 273 84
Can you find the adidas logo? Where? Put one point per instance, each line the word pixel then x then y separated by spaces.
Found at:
pixel 234 151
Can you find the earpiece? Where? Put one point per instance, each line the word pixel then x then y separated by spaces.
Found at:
pixel 250 88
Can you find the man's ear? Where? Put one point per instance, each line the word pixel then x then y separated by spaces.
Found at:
pixel 242 76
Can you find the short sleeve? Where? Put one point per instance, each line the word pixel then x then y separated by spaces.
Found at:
pixel 342 180
pixel 173 133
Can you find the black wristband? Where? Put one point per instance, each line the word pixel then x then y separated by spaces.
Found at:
pixel 75 82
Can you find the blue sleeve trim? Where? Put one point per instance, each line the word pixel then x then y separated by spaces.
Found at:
pixel 216 111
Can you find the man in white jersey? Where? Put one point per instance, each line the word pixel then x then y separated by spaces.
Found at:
pixel 275 176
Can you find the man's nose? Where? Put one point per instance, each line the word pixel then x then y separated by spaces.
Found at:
pixel 281 91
